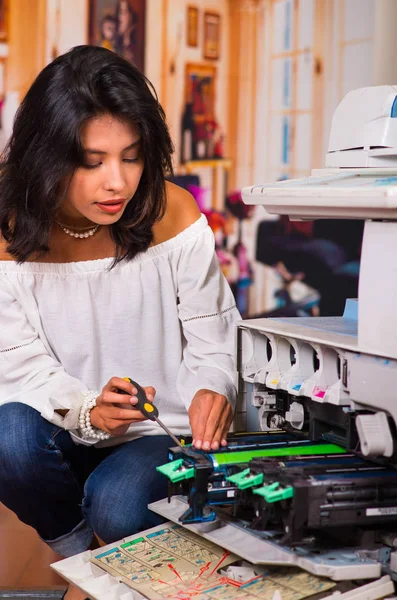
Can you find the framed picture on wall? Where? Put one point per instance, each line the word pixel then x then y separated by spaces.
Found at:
pixel 3 20
pixel 119 25
pixel 200 89
pixel 199 111
pixel 212 35
pixel 192 26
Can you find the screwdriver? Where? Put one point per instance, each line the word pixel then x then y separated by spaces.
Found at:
pixel 149 410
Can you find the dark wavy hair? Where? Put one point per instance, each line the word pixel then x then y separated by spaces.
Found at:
pixel 45 149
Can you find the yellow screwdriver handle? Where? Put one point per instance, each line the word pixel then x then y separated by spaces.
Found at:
pixel 147 408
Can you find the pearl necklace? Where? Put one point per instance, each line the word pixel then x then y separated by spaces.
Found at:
pixel 81 233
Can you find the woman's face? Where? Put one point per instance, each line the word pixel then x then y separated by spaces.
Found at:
pixel 124 17
pixel 109 30
pixel 101 189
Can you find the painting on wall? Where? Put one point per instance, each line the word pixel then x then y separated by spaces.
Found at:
pixel 3 20
pixel 119 26
pixel 198 120
pixel 200 89
pixel 192 26
pixel 212 27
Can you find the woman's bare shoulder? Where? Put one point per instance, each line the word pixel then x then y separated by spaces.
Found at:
pixel 182 206
pixel 4 254
pixel 181 212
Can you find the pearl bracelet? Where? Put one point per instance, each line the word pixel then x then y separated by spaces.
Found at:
pixel 85 425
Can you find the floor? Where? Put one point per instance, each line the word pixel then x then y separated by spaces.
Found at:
pixel 24 559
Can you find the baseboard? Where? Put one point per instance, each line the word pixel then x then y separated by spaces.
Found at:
pixel 31 594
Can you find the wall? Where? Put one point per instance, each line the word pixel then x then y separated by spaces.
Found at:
pixel 178 54
pixel 156 12
pixel 26 48
pixel 247 86
pixel 67 26
pixel 352 49
pixel 38 31
pixel 26 34
pixel 385 51
pixel 346 52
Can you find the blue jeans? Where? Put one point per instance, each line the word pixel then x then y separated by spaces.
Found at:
pixel 67 491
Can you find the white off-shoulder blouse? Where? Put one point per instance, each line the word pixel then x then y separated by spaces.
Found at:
pixel 166 319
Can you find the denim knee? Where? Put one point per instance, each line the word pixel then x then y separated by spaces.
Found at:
pixel 118 492
pixel 24 435
pixel 112 517
pixel 37 482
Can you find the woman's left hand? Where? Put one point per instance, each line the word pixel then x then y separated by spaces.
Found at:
pixel 210 417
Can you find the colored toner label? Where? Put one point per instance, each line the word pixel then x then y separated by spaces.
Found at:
pixel 319 392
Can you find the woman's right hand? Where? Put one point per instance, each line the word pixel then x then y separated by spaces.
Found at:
pixel 115 412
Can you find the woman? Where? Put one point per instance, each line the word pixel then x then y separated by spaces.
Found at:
pixel 126 39
pixel 106 271
pixel 108 32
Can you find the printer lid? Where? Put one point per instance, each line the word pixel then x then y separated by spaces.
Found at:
pixel 330 193
pixel 360 178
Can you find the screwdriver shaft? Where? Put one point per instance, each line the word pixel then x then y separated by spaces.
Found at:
pixel 172 436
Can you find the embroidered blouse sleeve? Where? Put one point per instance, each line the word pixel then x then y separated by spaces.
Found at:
pixel 208 315
pixel 28 372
